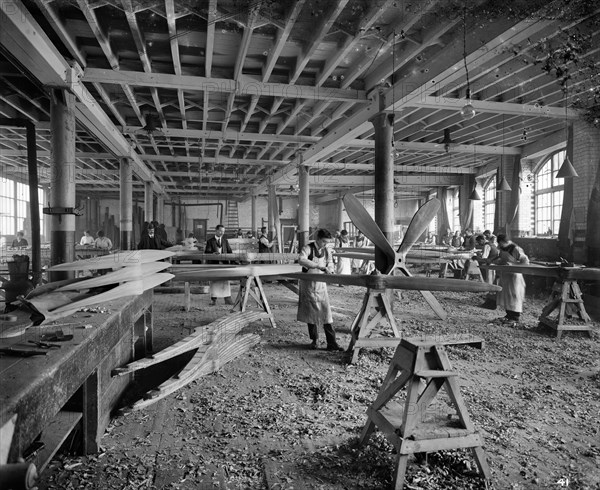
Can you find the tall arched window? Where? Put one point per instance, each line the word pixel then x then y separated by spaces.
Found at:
pixel 548 195
pixel 489 204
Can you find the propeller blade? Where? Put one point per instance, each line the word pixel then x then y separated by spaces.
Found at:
pixel 363 221
pixel 419 224
pixel 384 281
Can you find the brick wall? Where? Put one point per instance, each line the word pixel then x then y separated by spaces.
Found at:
pixel 586 160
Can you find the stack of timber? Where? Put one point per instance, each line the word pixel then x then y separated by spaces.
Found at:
pixel 214 344
pixel 134 273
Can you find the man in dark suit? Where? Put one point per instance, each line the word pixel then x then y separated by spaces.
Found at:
pixel 219 245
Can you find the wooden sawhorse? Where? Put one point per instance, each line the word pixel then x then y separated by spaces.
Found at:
pixel 376 309
pixel 252 286
pixel 567 297
pixel 417 426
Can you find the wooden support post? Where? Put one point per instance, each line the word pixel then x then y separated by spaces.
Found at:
pixel 62 193
pixel 126 204
pixel 148 202
pixel 91 413
pixel 254 224
pixel 303 207
pixel 384 176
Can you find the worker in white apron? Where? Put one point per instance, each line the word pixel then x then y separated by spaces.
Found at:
pixel 313 301
pixel 218 245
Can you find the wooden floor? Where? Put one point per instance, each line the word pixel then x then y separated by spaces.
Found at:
pixel 285 416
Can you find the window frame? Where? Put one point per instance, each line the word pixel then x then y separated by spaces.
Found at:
pixel 547 217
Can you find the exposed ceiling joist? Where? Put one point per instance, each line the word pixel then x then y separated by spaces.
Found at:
pixel 246 85
pixel 531 110
pixel 22 36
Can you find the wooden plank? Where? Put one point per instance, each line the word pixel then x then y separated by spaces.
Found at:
pixel 132 288
pixel 213 332
pixel 125 274
pixel 381 281
pixel 55 434
pixel 114 261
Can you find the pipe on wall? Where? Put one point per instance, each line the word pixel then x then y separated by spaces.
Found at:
pixel 204 204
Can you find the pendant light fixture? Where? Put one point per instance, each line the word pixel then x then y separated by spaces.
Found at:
pixel 467 111
pixel 474 195
pixel 566 170
pixel 503 184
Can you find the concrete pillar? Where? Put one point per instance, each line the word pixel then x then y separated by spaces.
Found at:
pixel 254 225
pixel 126 204
pixel 62 192
pixel 303 206
pixel 384 177
pixel 148 202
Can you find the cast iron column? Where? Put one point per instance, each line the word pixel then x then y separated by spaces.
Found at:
pixel 62 179
pixel 384 178
pixel 126 202
pixel 303 206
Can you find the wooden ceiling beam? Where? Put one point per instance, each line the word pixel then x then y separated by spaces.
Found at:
pixel 94 25
pixel 246 85
pixel 281 39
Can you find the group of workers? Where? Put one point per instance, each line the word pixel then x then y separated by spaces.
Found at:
pixel 101 241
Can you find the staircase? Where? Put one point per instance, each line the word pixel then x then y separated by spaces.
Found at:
pixel 233 220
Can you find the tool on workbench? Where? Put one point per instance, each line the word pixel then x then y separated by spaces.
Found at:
pixel 57 336
pixel 21 352
pixel 44 345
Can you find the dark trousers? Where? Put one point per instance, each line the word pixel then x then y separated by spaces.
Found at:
pixel 513 315
pixel 313 333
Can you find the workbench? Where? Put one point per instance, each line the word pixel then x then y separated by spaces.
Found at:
pixel 565 296
pixel 71 386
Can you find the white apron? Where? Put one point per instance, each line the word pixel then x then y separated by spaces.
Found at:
pixel 513 292
pixel 220 289
pixel 313 300
pixel 343 265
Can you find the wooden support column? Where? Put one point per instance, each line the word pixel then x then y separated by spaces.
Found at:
pixel 160 211
pixel 254 225
pixel 126 204
pixel 148 202
pixel 303 207
pixel 62 192
pixel 340 214
pixel 384 176
pixel 269 213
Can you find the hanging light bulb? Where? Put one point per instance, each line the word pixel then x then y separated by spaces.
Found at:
pixel 467 111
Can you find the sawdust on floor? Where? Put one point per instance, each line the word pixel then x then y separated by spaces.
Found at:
pixel 286 417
